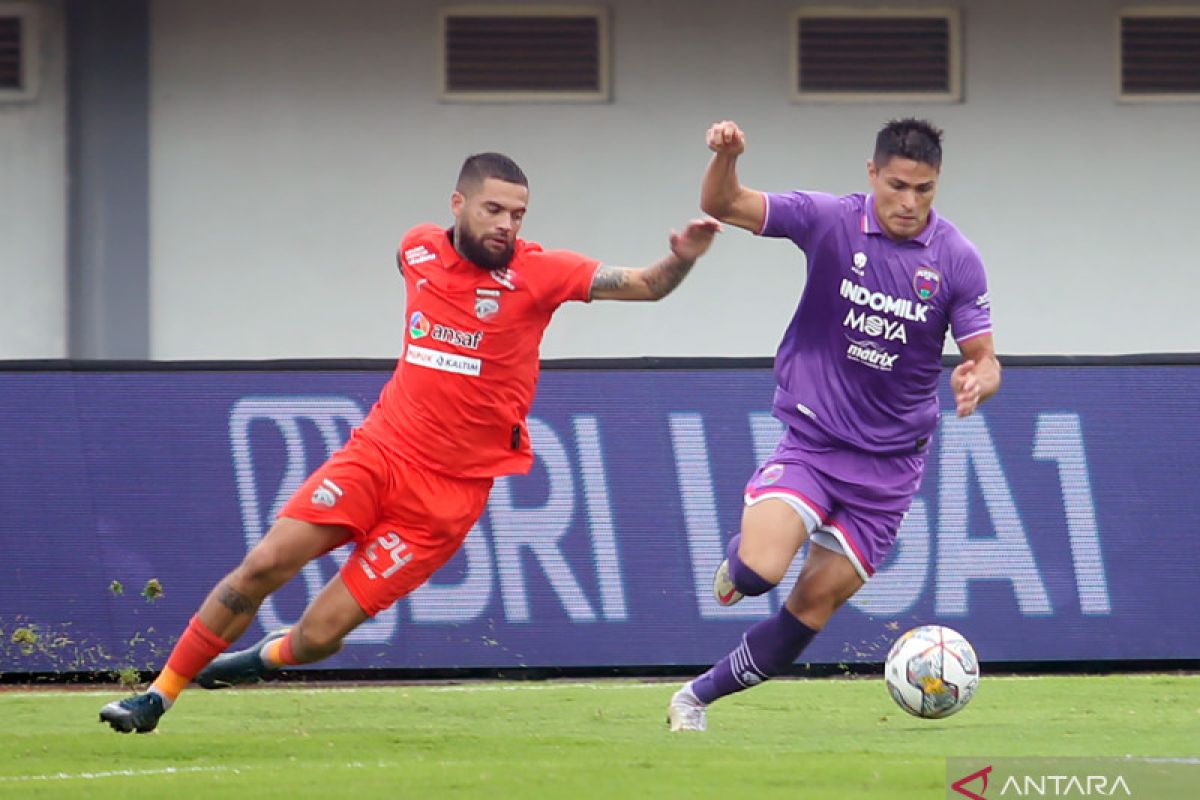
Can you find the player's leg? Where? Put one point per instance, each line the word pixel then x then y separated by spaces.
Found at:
pixel 338 498
pixel 773 531
pixel 872 496
pixel 430 516
pixel 771 646
pixel 231 605
pixel 322 628
pixel 224 616
pixel 290 544
pixel 826 581
pixel 784 501
pixel 320 632
pixel 757 558
pixel 385 566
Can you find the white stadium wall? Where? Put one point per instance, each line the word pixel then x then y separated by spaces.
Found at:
pixel 33 207
pixel 293 141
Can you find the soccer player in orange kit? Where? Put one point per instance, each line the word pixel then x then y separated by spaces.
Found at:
pixel 413 479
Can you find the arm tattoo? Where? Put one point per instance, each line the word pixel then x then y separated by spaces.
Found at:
pixel 663 277
pixel 234 600
pixel 610 278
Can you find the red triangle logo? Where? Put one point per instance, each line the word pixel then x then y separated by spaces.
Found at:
pixel 960 784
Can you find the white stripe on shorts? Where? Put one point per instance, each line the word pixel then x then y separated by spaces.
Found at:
pixel 808 514
pixel 831 538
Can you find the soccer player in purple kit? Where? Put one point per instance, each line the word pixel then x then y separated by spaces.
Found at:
pixel 856 386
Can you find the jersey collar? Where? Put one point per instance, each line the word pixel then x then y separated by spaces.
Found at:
pixel 450 257
pixel 870 225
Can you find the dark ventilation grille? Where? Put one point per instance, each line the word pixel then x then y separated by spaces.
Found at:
pixel 1160 55
pixel 875 54
pixel 523 54
pixel 10 53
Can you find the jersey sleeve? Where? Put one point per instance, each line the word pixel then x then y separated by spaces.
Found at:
pixel 796 215
pixel 562 276
pixel 971 314
pixel 417 245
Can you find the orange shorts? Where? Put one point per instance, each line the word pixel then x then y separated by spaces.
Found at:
pixel 405 521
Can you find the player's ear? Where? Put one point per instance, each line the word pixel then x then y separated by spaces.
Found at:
pixel 872 170
pixel 457 201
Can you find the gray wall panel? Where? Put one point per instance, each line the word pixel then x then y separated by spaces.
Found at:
pixel 292 142
pixel 33 304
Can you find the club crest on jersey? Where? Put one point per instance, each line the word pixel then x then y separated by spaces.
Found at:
pixel 486 307
pixel 418 325
pixel 926 282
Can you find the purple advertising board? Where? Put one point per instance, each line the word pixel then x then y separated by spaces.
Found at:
pixel 1057 524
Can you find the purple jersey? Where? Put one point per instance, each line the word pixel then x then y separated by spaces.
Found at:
pixel 859 363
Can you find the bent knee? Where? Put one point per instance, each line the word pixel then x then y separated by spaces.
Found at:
pixel 769 569
pixel 768 560
pixel 266 566
pixel 314 641
pixel 772 533
pixel 816 598
pixel 287 547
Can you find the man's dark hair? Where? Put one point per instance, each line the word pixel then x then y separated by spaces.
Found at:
pixel 481 166
pixel 914 139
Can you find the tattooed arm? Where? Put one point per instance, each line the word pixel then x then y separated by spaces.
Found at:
pixel 659 279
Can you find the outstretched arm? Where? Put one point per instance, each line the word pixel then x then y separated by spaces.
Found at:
pixel 977 377
pixel 721 193
pixel 660 278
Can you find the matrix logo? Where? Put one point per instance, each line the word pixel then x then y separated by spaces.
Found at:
pixel 867 353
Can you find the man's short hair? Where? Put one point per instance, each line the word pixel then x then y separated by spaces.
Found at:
pixel 914 139
pixel 481 166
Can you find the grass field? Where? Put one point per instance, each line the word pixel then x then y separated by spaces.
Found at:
pixel 807 739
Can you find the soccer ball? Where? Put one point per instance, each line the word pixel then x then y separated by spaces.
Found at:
pixel 931 672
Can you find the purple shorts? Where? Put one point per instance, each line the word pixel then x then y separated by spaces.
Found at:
pixel 850 501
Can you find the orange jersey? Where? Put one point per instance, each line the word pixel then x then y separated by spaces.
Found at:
pixel 464 384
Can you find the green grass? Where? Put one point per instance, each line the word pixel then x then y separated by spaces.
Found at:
pixel 790 738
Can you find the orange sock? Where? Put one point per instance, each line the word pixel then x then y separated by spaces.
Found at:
pixel 192 652
pixel 279 652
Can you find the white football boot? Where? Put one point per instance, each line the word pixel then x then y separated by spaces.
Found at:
pixel 685 712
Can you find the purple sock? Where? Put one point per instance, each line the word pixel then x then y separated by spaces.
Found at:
pixel 768 648
pixel 745 580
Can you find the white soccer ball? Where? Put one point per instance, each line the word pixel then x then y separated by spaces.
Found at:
pixel 932 672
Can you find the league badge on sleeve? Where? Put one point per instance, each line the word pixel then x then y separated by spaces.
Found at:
pixel 926 282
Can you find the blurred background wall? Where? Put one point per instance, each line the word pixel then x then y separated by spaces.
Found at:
pixel 229 179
